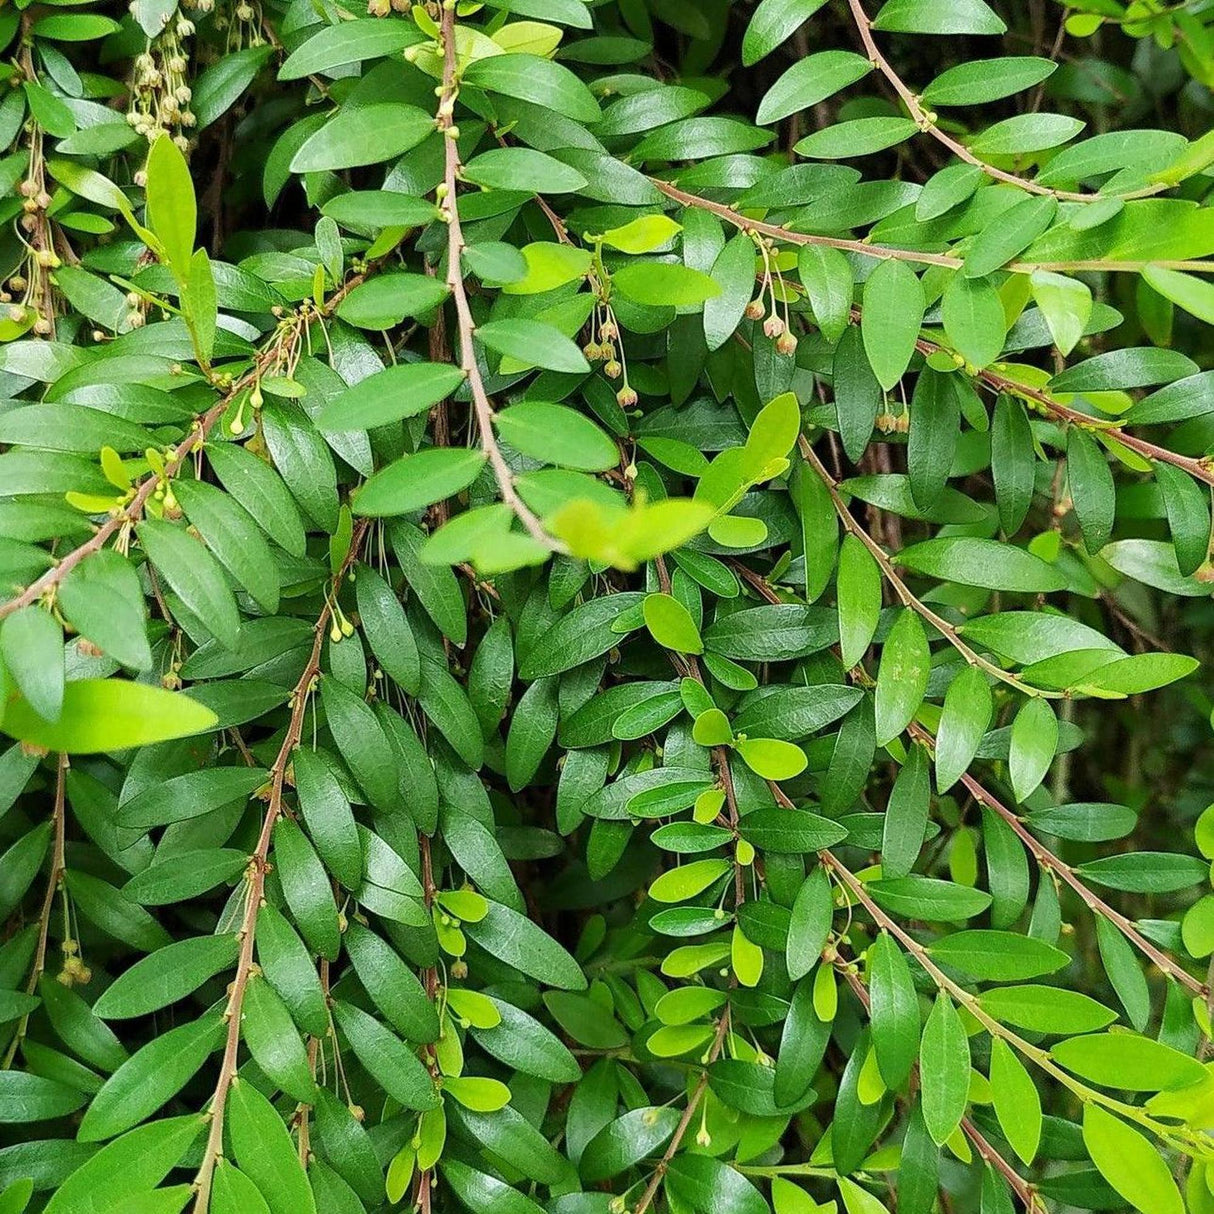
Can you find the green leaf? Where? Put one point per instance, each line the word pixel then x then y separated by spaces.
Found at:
pixel 1092 491
pixel 781 831
pixel 772 22
pixel 859 597
pixel 167 975
pixel 626 1141
pixel 363 134
pixel 826 275
pixel 389 396
pixel 558 435
pixel 532 343
pixel 1017 1102
pixel 938 17
pixel 1046 1009
pixel 1129 1162
pixel 973 319
pixel 894 304
pixel 992 956
pixel 31 645
pixel 771 758
pixel 664 284
pixel 184 875
pixel 906 816
pixel 150 1077
pixel 894 1010
pixel 385 300
pixel 1013 463
pixel 327 815
pixel 986 563
pixel 901 677
pixel 109 714
pixel 810 81
pixel 137 1161
pixel 671 625
pixel 234 539
pixel 522 169
pixel 519 942
pixel 706 1183
pixel 1013 232
pixel 968 705
pixel 929 898
pixel 1033 746
pixel 172 211
pixel 262 493
pixel 274 1042
pixel 944 1070
pixel 535 79
pixel 1066 304
pixel 397 1069
pixel 934 428
pixel 392 985
pixel 1128 1061
pixel 416 481
pixel 194 576
pixel 102 599
pixel 986 80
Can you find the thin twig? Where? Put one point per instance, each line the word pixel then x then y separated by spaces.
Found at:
pixel 884 252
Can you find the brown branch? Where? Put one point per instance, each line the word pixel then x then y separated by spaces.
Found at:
pixel 926 122
pixel 256 880
pixel 1197 468
pixel 481 405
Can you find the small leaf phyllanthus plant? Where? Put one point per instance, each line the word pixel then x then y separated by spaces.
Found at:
pixel 595 599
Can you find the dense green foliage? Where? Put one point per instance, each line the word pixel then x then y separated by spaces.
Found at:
pixel 597 607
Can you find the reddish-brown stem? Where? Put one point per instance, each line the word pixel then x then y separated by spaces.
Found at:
pixel 900 588
pixel 256 880
pixel 884 252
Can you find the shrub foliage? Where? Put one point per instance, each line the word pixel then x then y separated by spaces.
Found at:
pixel 595 604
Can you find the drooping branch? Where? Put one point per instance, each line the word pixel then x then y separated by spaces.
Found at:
pixel 1042 854
pixel 54 883
pixel 256 881
pixel 132 511
pixel 904 593
pixel 885 252
pixel 926 122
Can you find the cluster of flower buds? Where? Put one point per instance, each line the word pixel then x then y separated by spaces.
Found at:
pixel 160 89
pixel 74 970
pixel 603 349
pixel 893 423
pixel 774 326
pixel 381 8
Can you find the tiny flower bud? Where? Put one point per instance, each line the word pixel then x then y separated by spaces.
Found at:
pixel 773 326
